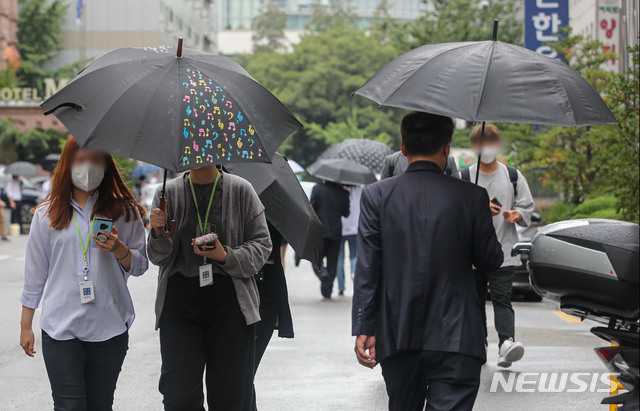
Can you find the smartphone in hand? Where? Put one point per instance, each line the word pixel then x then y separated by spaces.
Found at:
pixel 496 202
pixel 101 224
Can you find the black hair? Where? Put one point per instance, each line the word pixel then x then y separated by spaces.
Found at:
pixel 423 134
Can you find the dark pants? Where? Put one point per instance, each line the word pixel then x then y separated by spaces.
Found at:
pixel 16 215
pixel 499 283
pixel 269 307
pixel 83 375
pixel 446 381
pixel 203 327
pixel 330 251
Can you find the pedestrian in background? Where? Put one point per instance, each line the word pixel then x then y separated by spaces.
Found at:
pixel 14 193
pixel 87 309
pixel 274 301
pixel 511 203
pixel 349 235
pixel 207 304
pixel 415 309
pixel 3 204
pixel 331 203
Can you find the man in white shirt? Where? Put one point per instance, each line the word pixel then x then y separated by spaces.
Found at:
pixel 511 203
pixel 349 235
pixel 14 192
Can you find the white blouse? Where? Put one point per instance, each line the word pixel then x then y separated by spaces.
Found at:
pixel 54 257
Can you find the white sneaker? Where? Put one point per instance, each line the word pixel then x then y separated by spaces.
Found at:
pixel 510 352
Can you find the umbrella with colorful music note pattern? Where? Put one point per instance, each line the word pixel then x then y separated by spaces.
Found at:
pixel 177 110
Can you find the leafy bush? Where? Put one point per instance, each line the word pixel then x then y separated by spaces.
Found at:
pixel 598 207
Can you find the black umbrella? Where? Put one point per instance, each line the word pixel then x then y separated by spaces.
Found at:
pixel 177 111
pixel 172 109
pixel 22 168
pixel 286 205
pixel 50 161
pixel 342 171
pixel 363 151
pixel 488 81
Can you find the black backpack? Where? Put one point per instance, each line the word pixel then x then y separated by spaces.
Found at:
pixel 465 174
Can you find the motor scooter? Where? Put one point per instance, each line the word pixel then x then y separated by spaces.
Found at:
pixel 590 267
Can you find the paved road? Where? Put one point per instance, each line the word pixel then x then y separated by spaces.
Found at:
pixel 315 371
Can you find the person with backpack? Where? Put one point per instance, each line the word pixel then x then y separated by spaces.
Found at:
pixel 511 203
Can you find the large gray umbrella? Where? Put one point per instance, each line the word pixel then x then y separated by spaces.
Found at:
pixel 363 151
pixel 22 168
pixel 343 171
pixel 286 205
pixel 488 81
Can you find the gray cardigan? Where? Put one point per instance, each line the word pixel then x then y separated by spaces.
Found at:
pixel 246 234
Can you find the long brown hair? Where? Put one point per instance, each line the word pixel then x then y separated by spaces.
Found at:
pixel 114 200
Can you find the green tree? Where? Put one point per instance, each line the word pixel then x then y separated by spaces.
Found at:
pixel 40 41
pixel 571 161
pixel 338 13
pixel 32 145
pixel 461 20
pixel 269 28
pixel 316 82
pixel 621 144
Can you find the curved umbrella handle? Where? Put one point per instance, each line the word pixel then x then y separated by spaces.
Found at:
pixel 172 223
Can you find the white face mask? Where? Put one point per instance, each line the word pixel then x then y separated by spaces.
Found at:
pixel 87 176
pixel 489 154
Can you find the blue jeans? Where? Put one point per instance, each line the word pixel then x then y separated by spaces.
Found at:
pixel 82 374
pixel 353 254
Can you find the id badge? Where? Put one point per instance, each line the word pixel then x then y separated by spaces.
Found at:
pixel 206 275
pixel 87 294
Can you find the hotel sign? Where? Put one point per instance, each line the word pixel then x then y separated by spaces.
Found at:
pixel 31 94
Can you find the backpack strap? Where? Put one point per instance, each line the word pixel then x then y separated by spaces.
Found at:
pixel 465 174
pixel 513 177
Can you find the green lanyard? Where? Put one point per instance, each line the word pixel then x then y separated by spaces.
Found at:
pixel 206 218
pixel 85 247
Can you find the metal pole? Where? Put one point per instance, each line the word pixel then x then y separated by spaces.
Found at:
pixel 494 36
pixel 480 153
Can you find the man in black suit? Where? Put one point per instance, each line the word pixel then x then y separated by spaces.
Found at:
pixel 331 203
pixel 415 309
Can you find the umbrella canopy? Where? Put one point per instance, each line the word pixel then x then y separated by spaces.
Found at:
pixel 22 168
pixel 50 161
pixel 488 81
pixel 342 171
pixel 172 109
pixel 369 153
pixel 295 167
pixel 144 169
pixel 286 205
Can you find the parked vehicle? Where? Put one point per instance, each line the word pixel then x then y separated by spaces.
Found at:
pixel 590 266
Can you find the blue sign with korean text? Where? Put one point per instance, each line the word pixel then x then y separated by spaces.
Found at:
pixel 542 22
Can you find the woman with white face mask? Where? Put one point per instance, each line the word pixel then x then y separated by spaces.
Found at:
pixel 86 239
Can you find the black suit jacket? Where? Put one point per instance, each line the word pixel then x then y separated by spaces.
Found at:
pixel 419 235
pixel 331 203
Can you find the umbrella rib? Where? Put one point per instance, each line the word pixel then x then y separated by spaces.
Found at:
pixel 540 58
pixel 484 78
pixel 422 66
pixel 115 103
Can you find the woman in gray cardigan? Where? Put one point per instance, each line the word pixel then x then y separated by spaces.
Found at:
pixel 207 303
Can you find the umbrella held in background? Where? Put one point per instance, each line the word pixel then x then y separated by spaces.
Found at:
pixel 367 152
pixel 286 205
pixel 22 168
pixel 342 171
pixel 488 81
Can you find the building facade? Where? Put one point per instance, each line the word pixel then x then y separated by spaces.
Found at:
pixel 235 18
pixel 101 26
pixel 612 22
